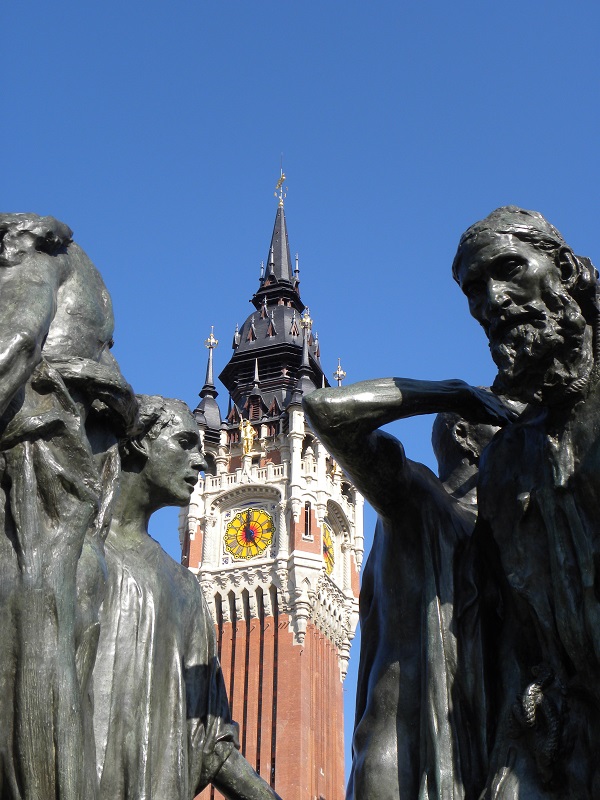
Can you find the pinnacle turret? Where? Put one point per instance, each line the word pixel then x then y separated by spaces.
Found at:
pixel 207 412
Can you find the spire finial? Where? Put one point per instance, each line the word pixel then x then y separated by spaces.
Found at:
pixel 339 374
pixel 211 342
pixel 280 189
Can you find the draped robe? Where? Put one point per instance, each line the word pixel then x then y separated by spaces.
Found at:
pixel 161 715
pixel 420 728
pixel 539 525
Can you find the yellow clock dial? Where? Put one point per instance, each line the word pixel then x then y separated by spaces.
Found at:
pixel 328 555
pixel 249 533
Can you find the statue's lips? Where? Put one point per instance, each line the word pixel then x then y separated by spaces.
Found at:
pixel 191 480
pixel 500 326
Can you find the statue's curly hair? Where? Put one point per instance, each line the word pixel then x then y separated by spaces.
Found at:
pixel 155 414
pixel 50 235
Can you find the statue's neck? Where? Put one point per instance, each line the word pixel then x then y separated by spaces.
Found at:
pixel 461 483
pixel 133 508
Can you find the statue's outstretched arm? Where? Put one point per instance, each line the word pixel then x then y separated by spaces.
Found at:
pixel 355 410
pixel 347 420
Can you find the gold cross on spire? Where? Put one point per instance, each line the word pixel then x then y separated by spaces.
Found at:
pixel 339 374
pixel 211 342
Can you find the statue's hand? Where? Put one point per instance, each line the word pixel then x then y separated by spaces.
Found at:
pixel 482 405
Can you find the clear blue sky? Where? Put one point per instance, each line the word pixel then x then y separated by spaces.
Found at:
pixel 155 131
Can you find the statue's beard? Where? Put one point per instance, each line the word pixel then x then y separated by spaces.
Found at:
pixel 545 352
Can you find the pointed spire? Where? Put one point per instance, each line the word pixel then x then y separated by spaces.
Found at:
pixel 256 378
pixel 271 262
pixel 305 384
pixel 207 412
pixel 278 283
pixel 279 263
pixel 209 383
pixel 275 332
pixel 255 404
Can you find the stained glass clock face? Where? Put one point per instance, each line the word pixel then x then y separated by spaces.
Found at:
pixel 249 533
pixel 328 556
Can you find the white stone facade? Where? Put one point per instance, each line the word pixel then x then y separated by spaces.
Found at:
pixel 292 478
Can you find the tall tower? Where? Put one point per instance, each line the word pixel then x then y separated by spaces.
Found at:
pixel 274 533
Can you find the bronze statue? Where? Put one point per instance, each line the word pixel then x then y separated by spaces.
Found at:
pixel 539 485
pixel 162 721
pixel 480 661
pixel 534 554
pixel 63 403
pixel 420 728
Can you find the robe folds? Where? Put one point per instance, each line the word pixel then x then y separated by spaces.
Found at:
pixel 539 526
pixel 161 715
pixel 421 719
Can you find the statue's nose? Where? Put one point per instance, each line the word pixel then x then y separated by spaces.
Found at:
pixel 497 295
pixel 199 462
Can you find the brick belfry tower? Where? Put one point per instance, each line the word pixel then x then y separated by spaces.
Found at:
pixel 274 533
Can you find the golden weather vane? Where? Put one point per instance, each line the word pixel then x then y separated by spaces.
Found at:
pixel 280 189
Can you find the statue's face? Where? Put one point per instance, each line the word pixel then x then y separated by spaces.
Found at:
pixel 516 293
pixel 174 460
pixel 507 282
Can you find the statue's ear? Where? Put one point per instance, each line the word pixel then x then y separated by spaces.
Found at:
pixel 134 450
pixel 460 432
pixel 569 268
pixel 462 436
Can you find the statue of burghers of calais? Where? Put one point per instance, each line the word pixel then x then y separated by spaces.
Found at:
pixel 162 721
pixel 539 495
pixel 63 404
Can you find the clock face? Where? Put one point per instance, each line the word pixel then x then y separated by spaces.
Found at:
pixel 249 533
pixel 328 556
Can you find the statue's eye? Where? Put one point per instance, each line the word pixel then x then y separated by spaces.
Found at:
pixel 473 289
pixel 507 268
